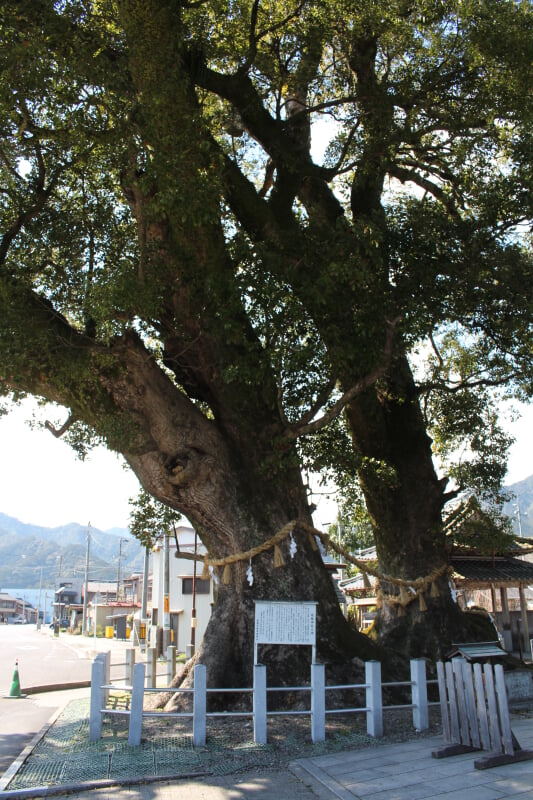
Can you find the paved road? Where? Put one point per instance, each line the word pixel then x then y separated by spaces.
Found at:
pixel 22 719
pixel 43 660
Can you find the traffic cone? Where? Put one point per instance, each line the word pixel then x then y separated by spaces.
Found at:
pixel 15 683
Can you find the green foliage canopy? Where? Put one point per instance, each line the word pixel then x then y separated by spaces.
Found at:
pixel 159 181
pixel 149 520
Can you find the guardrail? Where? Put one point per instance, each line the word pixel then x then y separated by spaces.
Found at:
pixel 372 687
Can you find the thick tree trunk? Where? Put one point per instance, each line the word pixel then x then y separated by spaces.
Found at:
pixel 405 499
pixel 228 645
pixel 237 498
pixel 227 649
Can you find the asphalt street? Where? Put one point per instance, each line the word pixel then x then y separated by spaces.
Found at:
pixel 43 660
pixel 21 719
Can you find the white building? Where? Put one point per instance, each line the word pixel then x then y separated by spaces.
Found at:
pixel 183 587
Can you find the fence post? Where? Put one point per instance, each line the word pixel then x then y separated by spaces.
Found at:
pixel 151 667
pixel 130 665
pixel 503 707
pixel 374 702
pixel 318 703
pixel 107 673
pixel 97 697
pixel 199 706
pixel 105 659
pixel 260 704
pixel 136 709
pixel 171 663
pixel 419 696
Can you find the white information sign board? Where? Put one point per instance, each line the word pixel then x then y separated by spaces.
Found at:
pixel 279 622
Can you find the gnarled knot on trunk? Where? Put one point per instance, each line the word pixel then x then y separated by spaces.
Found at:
pixel 185 468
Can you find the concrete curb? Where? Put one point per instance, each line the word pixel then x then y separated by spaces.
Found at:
pixel 318 780
pixel 321 786
pixel 54 688
pixel 104 783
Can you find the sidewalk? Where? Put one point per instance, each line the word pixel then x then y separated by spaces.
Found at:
pixel 408 772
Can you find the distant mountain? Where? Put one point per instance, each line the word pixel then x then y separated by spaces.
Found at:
pixel 523 501
pixel 26 548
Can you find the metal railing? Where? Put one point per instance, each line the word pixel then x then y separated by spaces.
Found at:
pixel 373 706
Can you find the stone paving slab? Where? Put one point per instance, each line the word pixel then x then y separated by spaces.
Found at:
pixel 408 772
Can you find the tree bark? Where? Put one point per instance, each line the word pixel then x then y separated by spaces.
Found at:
pixel 405 498
pixel 236 498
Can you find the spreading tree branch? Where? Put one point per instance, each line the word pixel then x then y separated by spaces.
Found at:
pixel 466 384
pixel 302 428
pixel 58 432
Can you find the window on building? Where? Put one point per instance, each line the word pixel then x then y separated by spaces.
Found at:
pixel 203 585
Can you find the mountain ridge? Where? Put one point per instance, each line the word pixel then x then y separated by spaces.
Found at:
pixel 34 554
pixel 522 502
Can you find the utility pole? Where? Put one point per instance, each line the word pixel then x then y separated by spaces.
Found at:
pixel 166 600
pixel 192 647
pixel 95 602
pixel 57 610
pixel 39 603
pixel 119 560
pixel 86 582
pixel 144 601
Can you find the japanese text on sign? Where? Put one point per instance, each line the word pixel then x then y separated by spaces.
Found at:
pixel 285 623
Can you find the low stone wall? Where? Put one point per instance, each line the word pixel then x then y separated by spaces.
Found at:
pixel 519 685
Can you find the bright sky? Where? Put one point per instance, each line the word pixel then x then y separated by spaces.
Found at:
pixel 44 483
pixel 520 463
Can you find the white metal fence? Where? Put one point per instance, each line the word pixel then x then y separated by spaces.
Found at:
pixel 372 690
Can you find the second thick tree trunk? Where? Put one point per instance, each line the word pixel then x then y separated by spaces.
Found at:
pixel 405 498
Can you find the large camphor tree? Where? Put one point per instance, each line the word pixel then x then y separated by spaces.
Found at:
pixel 226 229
